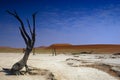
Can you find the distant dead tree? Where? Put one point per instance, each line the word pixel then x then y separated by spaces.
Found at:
pixel 33 51
pixel 53 51
pixel 29 41
pixel 23 50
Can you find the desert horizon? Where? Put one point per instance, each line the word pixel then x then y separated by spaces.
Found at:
pixel 69 48
pixel 60 39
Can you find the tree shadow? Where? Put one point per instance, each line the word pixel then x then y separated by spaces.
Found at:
pixel 7 71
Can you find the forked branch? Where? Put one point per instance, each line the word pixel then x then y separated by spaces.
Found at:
pixel 29 41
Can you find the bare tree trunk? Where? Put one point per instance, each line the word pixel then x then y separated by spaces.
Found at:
pixel 53 52
pixel 23 50
pixel 29 41
pixel 33 51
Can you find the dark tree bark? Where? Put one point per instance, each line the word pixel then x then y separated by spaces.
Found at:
pixel 29 41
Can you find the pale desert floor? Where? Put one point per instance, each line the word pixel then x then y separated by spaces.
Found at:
pixel 64 67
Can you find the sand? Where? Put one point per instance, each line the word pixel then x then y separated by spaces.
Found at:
pixel 57 65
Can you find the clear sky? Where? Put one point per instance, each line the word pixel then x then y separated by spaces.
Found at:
pixel 62 21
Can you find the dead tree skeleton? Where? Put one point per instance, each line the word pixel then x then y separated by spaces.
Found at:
pixel 29 40
pixel 54 52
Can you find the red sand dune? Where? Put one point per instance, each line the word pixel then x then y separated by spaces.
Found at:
pixel 114 48
pixel 84 46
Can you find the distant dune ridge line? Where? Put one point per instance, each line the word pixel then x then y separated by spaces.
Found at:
pixel 115 48
pixel 87 46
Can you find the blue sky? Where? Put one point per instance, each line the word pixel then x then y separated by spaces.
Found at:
pixel 62 21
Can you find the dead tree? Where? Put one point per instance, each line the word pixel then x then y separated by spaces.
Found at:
pixel 33 51
pixel 29 40
pixel 53 51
